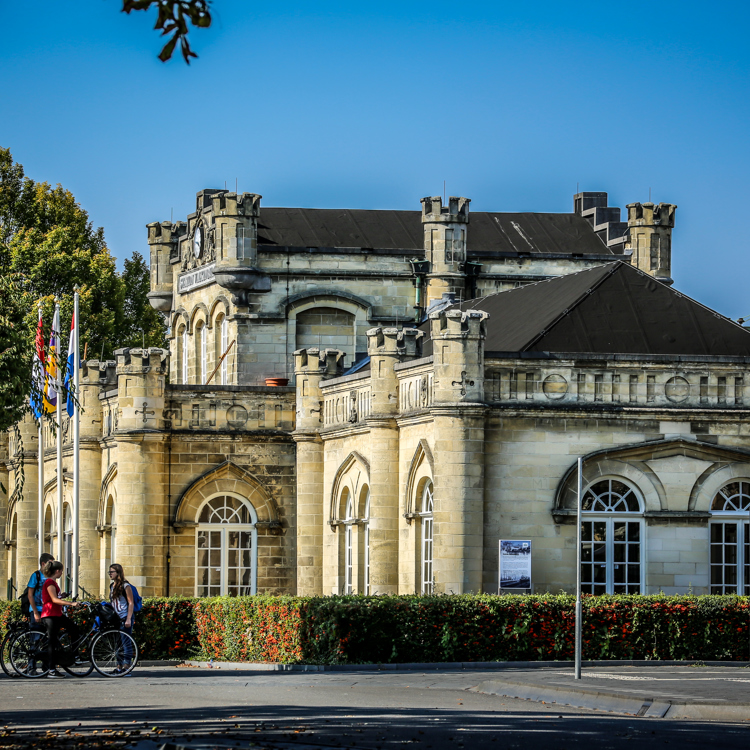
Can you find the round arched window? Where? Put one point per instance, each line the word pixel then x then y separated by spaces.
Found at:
pixel 730 539
pixel 610 496
pixel 226 548
pixel 733 497
pixel 610 544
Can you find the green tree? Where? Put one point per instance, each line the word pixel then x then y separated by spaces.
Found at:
pixel 48 246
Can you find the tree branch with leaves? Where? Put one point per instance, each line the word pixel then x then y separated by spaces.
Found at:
pixel 175 17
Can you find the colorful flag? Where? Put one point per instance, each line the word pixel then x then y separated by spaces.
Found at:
pixel 50 376
pixel 37 372
pixel 70 366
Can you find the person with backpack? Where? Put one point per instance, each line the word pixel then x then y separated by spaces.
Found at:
pixel 52 613
pixel 126 601
pixel 31 599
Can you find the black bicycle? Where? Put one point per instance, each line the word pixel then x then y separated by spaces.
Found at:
pixel 102 647
pixel 15 627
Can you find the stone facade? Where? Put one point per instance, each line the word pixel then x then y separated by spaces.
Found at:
pixel 328 417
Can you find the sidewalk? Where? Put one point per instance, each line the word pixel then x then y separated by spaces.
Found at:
pixel 671 692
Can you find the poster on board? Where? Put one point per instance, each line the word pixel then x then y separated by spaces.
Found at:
pixel 515 564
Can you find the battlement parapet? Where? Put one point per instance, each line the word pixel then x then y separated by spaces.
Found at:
pixel 649 214
pixel 464 324
pixel 101 373
pixel 456 212
pixel 134 360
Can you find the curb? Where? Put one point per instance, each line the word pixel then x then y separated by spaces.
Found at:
pixel 434 666
pixel 602 700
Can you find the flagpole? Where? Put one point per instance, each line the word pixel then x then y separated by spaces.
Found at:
pixel 40 472
pixel 76 445
pixel 60 541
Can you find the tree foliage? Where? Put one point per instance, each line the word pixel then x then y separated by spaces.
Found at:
pixel 175 17
pixel 48 246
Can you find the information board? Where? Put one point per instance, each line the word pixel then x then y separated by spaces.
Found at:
pixel 515 564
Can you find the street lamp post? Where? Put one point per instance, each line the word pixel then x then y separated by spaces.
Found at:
pixel 578 572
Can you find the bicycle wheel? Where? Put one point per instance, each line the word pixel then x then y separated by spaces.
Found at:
pixel 82 666
pixel 114 653
pixel 5 651
pixel 28 654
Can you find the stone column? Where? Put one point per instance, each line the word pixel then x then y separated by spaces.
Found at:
pixel 142 513
pixel 310 369
pixel 90 479
pixel 383 346
pixel 25 505
pixel 458 411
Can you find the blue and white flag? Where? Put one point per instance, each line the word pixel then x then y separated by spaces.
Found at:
pixel 71 365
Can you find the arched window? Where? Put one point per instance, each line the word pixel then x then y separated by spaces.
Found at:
pixel 67 555
pixel 730 539
pixel 224 328
pixel 49 528
pixel 366 540
pixel 349 545
pixel 611 537
pixel 226 551
pixel 426 508
pixel 201 354
pixel 110 536
pixel 184 357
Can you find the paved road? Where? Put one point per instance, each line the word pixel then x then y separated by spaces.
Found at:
pixel 307 711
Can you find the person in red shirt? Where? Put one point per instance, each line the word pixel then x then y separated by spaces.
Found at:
pixel 53 618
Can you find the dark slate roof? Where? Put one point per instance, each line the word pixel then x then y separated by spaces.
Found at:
pixel 402 230
pixel 610 309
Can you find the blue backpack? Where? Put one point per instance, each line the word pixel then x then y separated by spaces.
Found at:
pixel 137 599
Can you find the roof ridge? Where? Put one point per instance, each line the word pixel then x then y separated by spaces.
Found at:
pixel 537 283
pixel 614 268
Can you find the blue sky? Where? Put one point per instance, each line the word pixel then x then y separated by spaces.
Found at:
pixel 374 105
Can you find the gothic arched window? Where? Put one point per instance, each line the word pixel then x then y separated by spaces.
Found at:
pixel 426 509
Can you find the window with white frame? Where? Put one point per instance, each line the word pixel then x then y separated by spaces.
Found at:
pixel 67 546
pixel 366 540
pixel 184 357
pixel 202 354
pixel 226 547
pixel 611 539
pixel 426 509
pixel 349 544
pixel 729 532
pixel 224 344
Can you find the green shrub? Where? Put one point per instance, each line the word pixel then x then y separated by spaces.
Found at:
pixel 466 628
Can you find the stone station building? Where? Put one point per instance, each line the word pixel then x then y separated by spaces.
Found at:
pixel 369 401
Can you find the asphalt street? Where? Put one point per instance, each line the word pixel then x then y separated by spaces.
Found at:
pixel 204 708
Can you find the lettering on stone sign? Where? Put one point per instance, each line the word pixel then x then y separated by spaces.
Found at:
pixel 195 279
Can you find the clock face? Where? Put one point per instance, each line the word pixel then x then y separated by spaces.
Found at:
pixel 198 242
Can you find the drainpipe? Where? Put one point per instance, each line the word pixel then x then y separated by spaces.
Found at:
pixel 419 269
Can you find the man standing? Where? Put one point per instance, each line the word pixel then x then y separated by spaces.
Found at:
pixel 34 593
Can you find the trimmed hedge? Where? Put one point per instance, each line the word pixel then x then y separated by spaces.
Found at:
pixel 383 629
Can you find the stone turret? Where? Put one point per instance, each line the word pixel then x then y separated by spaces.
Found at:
pixel 162 239
pixel 141 375
pixel 458 355
pixel 311 366
pixel 387 347
pixel 650 241
pixel 235 218
pixel 458 411
pixel 142 496
pixel 445 230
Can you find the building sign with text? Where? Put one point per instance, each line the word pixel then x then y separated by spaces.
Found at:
pixel 515 564
pixel 195 279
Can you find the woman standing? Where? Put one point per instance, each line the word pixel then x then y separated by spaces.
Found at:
pixel 53 618
pixel 121 597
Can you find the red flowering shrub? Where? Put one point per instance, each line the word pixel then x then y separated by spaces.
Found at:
pixel 468 628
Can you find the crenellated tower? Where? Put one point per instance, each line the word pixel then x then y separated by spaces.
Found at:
pixel 650 242
pixel 445 229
